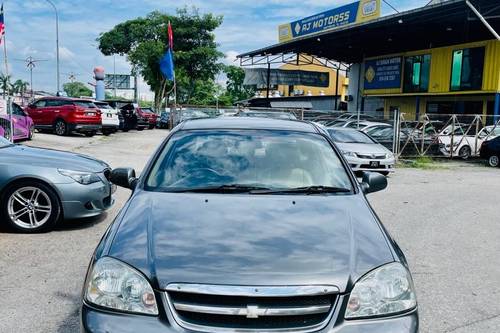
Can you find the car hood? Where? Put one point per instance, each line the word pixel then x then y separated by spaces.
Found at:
pixel 364 148
pixel 51 158
pixel 250 240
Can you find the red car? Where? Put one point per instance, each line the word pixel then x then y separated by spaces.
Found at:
pixel 65 115
pixel 149 115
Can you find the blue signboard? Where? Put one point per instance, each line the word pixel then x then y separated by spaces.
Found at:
pixel 383 73
pixel 357 12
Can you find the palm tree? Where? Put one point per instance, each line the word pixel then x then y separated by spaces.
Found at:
pixel 20 87
pixel 5 84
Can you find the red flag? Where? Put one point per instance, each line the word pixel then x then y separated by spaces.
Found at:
pixel 2 25
pixel 170 37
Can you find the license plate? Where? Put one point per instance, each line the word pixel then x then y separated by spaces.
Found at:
pixel 374 164
pixel 90 114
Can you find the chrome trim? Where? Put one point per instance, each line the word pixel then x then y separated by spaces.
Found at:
pixel 251 311
pixel 250 291
pixel 253 291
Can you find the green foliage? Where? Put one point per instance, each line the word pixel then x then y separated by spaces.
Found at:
pixel 236 91
pixel 5 84
pixel 20 87
pixel 145 40
pixel 77 89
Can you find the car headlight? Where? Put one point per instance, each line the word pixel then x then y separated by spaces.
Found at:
pixel 349 153
pixel 385 291
pixel 84 178
pixel 114 285
pixel 389 155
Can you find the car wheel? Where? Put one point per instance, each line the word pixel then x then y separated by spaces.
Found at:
pixel 90 134
pixel 106 133
pixel 494 161
pixel 61 128
pixel 385 173
pixel 151 127
pixel 465 152
pixel 6 134
pixel 140 128
pixel 30 207
pixel 31 133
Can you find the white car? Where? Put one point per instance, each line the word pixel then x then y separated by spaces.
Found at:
pixel 465 146
pixel 361 151
pixel 110 118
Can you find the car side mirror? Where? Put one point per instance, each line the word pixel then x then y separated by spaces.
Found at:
pixel 373 182
pixel 124 177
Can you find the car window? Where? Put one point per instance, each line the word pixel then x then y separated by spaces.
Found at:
pixel 53 103
pixel 85 104
pixel 103 106
pixel 17 110
pixel 349 136
pixel 40 104
pixel 271 159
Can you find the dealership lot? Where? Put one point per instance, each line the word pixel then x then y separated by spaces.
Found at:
pixel 445 220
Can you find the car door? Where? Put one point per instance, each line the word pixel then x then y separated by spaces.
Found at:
pixel 51 111
pixel 19 121
pixel 36 111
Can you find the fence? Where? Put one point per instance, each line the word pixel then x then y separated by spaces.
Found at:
pixel 434 135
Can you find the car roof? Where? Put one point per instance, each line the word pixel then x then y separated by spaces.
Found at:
pixel 249 124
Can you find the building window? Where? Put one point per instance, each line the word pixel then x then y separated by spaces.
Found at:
pixel 417 71
pixel 467 69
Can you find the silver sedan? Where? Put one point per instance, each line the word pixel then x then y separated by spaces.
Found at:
pixel 362 152
pixel 39 187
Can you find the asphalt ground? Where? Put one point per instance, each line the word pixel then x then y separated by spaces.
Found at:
pixel 446 220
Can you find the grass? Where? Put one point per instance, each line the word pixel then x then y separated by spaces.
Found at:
pixel 422 162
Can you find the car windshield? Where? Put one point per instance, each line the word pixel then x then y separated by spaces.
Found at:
pixel 4 142
pixel 346 136
pixel 103 106
pixel 263 159
pixel 85 104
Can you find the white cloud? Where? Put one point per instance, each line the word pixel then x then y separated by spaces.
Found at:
pixel 65 53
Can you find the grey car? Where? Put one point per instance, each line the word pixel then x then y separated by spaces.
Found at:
pixel 39 187
pixel 242 224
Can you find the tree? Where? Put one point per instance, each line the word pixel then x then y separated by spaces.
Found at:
pixel 145 40
pixel 77 89
pixel 20 87
pixel 236 91
pixel 5 84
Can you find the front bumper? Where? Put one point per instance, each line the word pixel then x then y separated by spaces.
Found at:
pixel 82 201
pixel 94 320
pixel 376 165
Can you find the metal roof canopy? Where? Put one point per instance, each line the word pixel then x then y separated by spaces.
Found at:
pixel 443 24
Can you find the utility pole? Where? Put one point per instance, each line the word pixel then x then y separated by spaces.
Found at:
pixel 57 46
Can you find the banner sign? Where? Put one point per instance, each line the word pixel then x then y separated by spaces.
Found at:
pixel 357 12
pixel 383 73
pixel 258 76
pixel 118 81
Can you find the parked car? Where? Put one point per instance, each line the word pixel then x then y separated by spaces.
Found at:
pixel 65 115
pixel 490 150
pixel 189 114
pixel 362 152
pixel 364 125
pixel 110 118
pixel 150 115
pixel 163 120
pixel 39 187
pixel 267 230
pixel 130 114
pixel 466 145
pixel 24 128
pixel 268 114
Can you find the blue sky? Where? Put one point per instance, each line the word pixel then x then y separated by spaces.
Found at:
pixel 30 29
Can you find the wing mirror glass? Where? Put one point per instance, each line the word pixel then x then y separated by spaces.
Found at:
pixel 124 177
pixel 373 182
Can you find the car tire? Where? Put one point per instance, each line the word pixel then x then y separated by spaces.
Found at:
pixel 39 201
pixel 90 134
pixel 465 152
pixel 60 127
pixel 385 173
pixel 494 161
pixel 106 133
pixel 6 134
pixel 140 128
pixel 151 127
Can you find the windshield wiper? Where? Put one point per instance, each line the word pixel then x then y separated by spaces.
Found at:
pixel 305 190
pixel 234 188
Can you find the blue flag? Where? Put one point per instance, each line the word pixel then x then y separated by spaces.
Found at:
pixel 167 65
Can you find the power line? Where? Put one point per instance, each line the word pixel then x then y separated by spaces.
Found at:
pixel 388 4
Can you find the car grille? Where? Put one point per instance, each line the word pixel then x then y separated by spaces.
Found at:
pixel 229 308
pixel 372 156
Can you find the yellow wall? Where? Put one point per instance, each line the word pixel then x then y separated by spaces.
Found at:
pixel 440 72
pixel 330 90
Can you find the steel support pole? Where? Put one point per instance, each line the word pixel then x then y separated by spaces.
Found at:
pixel 57 47
pixel 496 109
pixel 478 14
pixel 268 80
pixel 337 91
